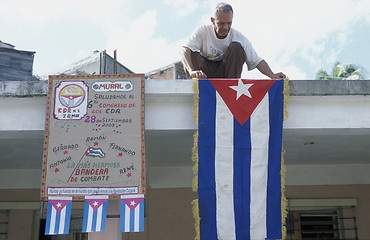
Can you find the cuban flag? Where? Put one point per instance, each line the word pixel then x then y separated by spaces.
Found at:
pixel 239 154
pixel 95 213
pixel 95 152
pixel 58 215
pixel 132 213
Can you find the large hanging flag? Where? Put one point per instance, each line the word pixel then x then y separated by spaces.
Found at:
pixel 95 213
pixel 58 215
pixel 132 213
pixel 239 159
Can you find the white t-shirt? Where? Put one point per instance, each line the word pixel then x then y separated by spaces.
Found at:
pixel 205 41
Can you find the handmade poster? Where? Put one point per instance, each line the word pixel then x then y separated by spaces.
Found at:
pixel 94 136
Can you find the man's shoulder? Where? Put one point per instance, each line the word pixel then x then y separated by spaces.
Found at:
pixel 204 28
pixel 238 36
pixel 237 33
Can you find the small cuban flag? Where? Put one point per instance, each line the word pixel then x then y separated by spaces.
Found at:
pixel 132 213
pixel 95 213
pixel 95 152
pixel 58 215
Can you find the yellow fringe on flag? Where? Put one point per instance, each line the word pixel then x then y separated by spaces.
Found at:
pixel 194 203
pixel 195 162
pixel 195 146
pixel 284 201
pixel 195 100
pixel 195 207
pixel 286 96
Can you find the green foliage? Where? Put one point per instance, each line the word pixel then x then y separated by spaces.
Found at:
pixel 342 72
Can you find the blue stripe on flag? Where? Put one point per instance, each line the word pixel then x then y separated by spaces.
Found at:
pixel 123 216
pixel 242 153
pixel 141 223
pixel 57 221
pixel 48 218
pixel 94 219
pixel 274 161
pixel 206 140
pixel 132 220
pixel 104 217
pixel 142 217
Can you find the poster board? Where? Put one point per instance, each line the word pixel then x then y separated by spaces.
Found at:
pixel 94 136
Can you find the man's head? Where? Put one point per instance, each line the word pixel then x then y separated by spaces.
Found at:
pixel 222 19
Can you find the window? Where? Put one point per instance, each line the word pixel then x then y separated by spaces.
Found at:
pixel 321 222
pixel 4 221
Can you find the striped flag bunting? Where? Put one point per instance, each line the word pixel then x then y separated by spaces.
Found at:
pixel 239 159
pixel 95 213
pixel 58 215
pixel 132 213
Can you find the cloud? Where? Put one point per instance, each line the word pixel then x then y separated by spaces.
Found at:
pixel 137 47
pixel 41 12
pixel 183 7
pixel 283 30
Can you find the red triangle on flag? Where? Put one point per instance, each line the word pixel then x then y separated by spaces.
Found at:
pixel 242 96
pixel 96 203
pixel 132 202
pixel 59 204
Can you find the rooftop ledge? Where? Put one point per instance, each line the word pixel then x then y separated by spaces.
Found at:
pixel 180 87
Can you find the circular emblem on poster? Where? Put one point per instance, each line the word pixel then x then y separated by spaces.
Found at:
pixel 72 95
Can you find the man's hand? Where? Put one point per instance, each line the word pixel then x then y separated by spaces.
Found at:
pixel 264 68
pixel 278 75
pixel 198 74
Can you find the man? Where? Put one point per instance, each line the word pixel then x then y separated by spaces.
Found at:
pixel 219 51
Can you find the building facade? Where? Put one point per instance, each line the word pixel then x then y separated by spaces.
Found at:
pixel 326 139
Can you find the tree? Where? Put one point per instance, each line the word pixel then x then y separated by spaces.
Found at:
pixel 342 72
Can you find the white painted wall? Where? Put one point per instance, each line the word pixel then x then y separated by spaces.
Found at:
pixel 169 106
pixel 328 112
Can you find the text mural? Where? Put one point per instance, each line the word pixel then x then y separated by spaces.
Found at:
pixel 94 140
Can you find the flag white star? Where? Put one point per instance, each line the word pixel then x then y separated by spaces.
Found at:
pixel 58 205
pixel 132 203
pixel 95 203
pixel 242 89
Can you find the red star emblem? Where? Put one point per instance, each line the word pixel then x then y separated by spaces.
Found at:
pixel 65 152
pixel 128 175
pixel 96 144
pixel 56 170
pixel 120 154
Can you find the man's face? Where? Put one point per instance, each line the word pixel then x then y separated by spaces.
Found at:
pixel 222 23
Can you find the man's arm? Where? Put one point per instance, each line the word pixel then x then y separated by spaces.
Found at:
pixel 188 64
pixel 265 69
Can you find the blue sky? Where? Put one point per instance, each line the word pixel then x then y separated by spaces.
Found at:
pixel 296 37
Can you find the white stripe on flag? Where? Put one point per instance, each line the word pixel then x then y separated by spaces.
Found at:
pixel 137 218
pixel 99 217
pixel 127 218
pixel 62 220
pixel 224 171
pixel 89 219
pixel 52 219
pixel 259 161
